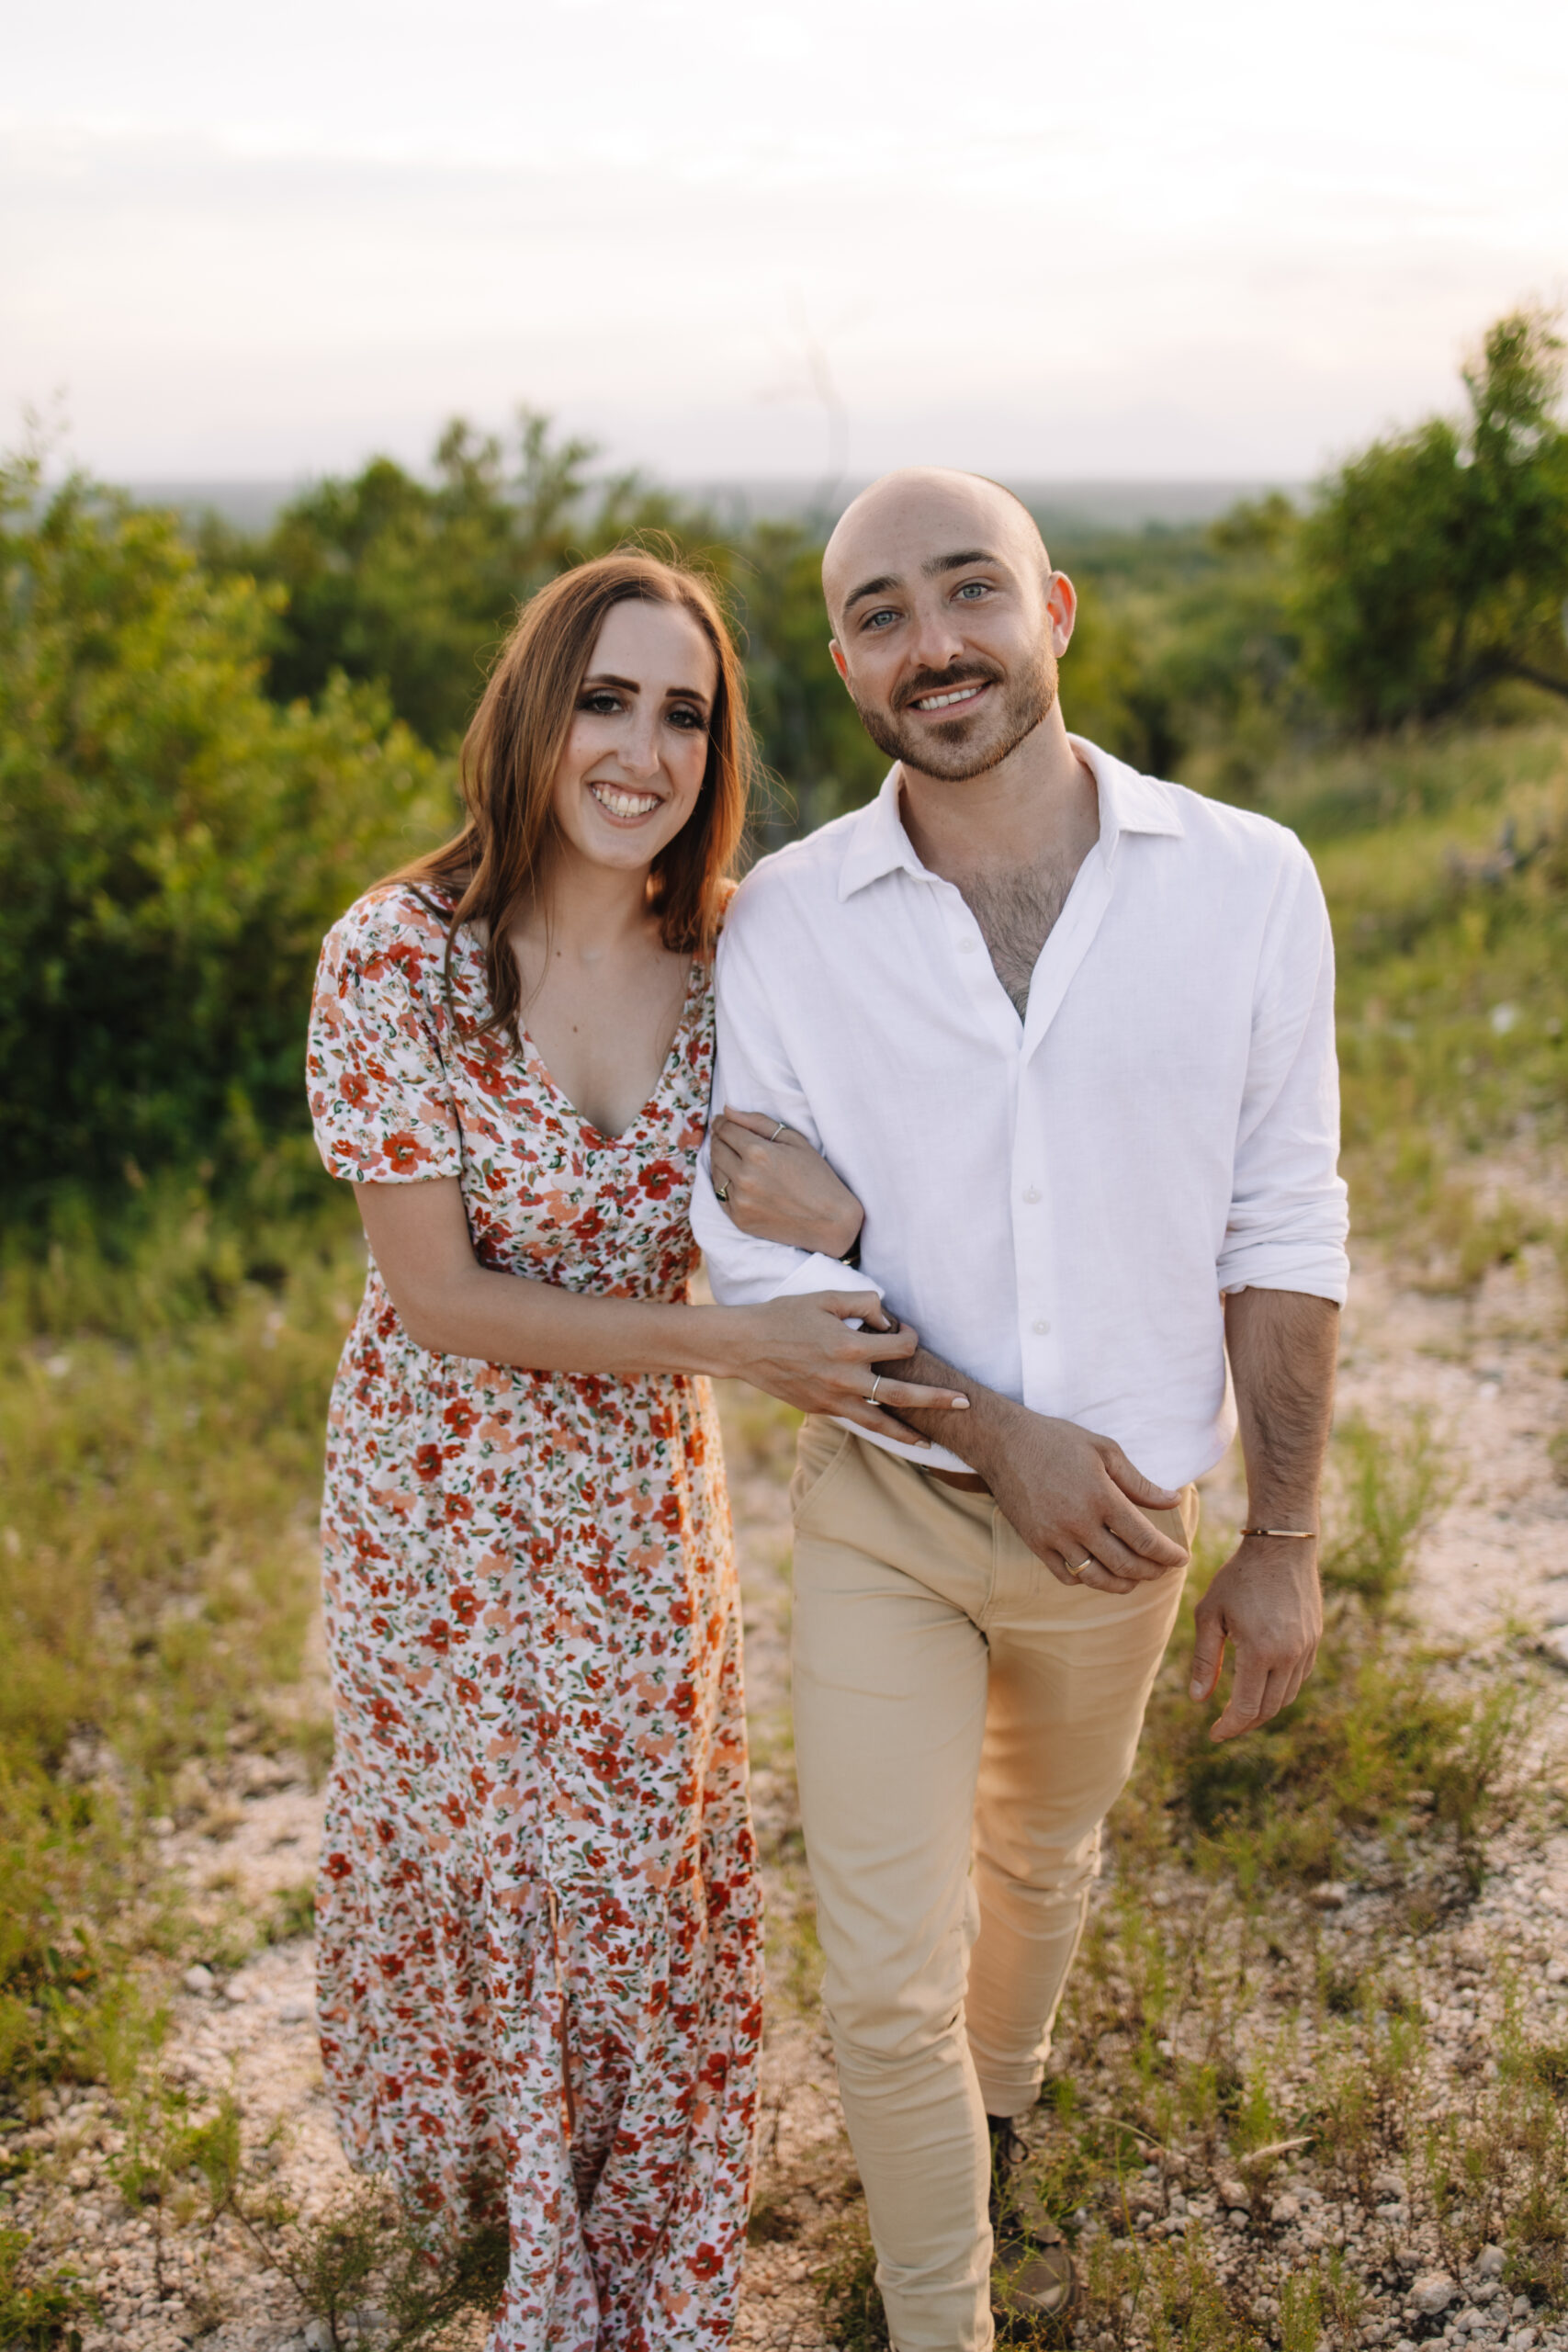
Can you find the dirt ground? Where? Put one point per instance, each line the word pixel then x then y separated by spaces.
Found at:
pixel 1488 1371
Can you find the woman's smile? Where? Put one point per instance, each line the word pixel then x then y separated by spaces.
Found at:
pixel 624 805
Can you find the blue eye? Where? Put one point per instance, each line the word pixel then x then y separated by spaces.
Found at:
pixel 975 588
pixel 874 620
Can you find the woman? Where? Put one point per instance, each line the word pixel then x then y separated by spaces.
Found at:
pixel 539 1967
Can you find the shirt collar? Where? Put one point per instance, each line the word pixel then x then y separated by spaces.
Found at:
pixel 1129 803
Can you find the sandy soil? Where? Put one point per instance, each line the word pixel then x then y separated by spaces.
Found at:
pixel 1489 1375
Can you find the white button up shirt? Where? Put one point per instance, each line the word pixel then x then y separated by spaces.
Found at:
pixel 1058 1203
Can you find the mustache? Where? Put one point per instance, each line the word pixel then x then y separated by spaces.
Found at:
pixel 941 681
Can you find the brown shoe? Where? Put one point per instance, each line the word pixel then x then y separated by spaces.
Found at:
pixel 1034 2288
pixel 1035 2281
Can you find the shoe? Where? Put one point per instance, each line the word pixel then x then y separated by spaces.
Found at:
pixel 1035 2281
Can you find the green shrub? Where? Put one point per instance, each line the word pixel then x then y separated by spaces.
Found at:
pixel 173 843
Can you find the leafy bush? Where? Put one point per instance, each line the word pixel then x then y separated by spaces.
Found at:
pixel 174 845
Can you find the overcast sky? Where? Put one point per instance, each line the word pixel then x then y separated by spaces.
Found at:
pixel 1121 238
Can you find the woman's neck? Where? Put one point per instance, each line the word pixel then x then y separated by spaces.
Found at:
pixel 587 910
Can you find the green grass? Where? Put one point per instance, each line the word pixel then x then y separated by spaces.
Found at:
pixel 163 1385
pixel 161 1423
pixel 1452 923
pixel 1381 1739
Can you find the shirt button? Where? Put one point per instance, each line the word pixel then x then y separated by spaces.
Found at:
pixel 966 947
pixel 1031 1195
pixel 1041 1327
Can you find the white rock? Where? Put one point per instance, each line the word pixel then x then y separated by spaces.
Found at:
pixel 1432 2292
pixel 1330 1896
pixel 1388 2185
pixel 236 1993
pixel 198 1979
pixel 1489 2262
pixel 318 2336
pixel 1286 2209
pixel 1522 2339
pixel 1232 2194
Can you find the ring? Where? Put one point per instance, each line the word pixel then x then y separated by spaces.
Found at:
pixel 874 1387
pixel 777 1132
pixel 721 1192
pixel 1076 1573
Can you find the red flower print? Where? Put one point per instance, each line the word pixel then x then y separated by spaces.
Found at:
pixel 404 1152
pixel 580 1571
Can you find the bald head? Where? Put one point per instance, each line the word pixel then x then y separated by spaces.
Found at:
pixel 928 517
pixel 947 620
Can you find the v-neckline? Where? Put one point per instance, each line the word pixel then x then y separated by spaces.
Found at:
pixel 693 981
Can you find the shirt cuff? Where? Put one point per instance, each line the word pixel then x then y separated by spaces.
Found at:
pixel 1318 1274
pixel 818 1272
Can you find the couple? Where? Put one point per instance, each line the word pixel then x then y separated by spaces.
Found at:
pixel 1033 1050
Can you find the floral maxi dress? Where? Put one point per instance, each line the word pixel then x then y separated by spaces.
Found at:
pixel 538 1913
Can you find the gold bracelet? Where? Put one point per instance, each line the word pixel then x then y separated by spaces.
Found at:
pixel 1299 1535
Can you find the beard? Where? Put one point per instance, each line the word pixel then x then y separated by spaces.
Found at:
pixel 956 749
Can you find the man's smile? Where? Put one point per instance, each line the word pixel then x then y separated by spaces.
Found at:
pixel 945 699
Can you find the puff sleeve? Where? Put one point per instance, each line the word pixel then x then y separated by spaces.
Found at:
pixel 381 1103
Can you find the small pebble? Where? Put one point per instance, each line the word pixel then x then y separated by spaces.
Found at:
pixel 198 1979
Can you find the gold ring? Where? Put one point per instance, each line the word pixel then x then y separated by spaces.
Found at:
pixel 721 1192
pixel 1076 1573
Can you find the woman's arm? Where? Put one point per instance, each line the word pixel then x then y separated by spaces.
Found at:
pixel 802 1349
pixel 778 1188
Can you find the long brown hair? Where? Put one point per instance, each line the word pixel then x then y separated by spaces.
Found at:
pixel 512 749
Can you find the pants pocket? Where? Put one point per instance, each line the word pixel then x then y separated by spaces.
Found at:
pixel 822 1445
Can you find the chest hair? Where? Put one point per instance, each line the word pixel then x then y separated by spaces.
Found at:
pixel 1016 908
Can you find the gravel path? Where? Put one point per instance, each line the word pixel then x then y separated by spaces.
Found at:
pixel 1488 1372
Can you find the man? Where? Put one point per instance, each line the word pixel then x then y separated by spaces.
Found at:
pixel 1067 1033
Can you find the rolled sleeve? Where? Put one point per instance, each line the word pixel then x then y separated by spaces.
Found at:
pixel 1288 1219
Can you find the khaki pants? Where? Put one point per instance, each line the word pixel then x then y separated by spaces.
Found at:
pixel 963 1724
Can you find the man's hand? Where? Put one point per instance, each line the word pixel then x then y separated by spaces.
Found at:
pixel 1267 1601
pixel 1072 1496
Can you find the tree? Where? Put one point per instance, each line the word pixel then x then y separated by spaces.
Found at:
pixel 173 843
pixel 1435 565
pixel 413 583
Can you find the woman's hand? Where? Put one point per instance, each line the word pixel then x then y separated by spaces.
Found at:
pixel 803 1350
pixel 778 1188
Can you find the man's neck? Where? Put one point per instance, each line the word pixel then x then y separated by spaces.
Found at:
pixel 1012 841
pixel 1038 808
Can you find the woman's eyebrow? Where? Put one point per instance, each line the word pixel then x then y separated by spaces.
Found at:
pixel 630 686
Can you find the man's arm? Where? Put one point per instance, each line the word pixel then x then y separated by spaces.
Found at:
pixel 1267 1599
pixel 753 1070
pixel 1071 1495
